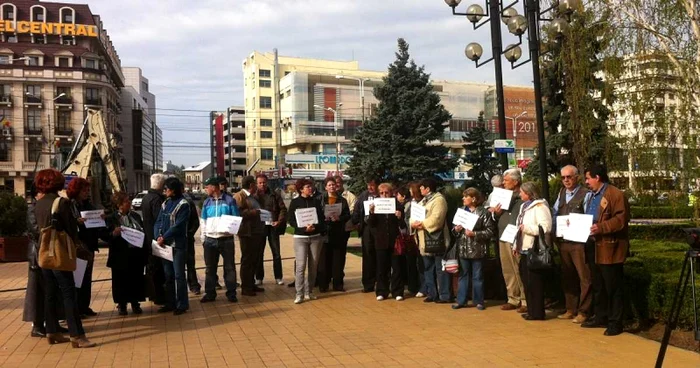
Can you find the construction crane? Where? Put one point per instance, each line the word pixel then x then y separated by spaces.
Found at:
pixel 93 138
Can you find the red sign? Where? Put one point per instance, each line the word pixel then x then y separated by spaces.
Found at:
pixel 523 164
pixel 219 146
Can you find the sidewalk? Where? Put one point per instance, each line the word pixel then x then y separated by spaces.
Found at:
pixel 338 329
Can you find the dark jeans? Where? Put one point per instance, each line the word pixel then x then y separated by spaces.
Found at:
pixel 433 266
pixel 192 280
pixel 470 269
pixel 250 255
pixel 369 259
pixel 389 270
pixel 175 283
pixel 85 290
pixel 274 239
pixel 534 288
pixel 333 259
pixel 607 288
pixel 63 281
pixel 213 248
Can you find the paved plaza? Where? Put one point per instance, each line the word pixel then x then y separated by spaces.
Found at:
pixel 337 330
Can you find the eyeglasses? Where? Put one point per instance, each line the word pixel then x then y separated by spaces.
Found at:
pixel 565 177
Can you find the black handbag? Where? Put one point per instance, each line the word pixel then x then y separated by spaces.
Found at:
pixel 434 242
pixel 540 256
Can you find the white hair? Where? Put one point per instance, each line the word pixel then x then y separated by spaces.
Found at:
pixel 514 174
pixel 570 167
pixel 157 181
pixel 497 180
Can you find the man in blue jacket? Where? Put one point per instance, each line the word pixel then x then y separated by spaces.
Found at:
pixel 217 243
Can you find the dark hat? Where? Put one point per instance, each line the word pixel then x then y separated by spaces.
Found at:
pixel 214 180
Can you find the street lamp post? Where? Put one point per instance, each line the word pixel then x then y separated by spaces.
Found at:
pixel 337 142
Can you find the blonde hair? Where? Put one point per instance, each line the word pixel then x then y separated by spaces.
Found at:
pixel 386 186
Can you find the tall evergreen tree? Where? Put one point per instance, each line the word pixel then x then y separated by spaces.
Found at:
pixel 479 147
pixel 401 143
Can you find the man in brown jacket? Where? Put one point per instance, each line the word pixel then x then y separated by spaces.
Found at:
pixel 611 215
pixel 271 201
pixel 251 234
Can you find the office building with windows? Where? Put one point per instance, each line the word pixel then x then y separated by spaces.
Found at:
pixel 56 59
pixel 228 144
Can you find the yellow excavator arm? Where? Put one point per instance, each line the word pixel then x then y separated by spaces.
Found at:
pixel 96 138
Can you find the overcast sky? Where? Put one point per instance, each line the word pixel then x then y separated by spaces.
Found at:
pixel 191 51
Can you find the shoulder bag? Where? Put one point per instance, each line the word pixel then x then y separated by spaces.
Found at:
pixel 434 242
pixel 540 255
pixel 57 250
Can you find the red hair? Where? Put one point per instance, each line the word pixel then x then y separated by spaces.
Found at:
pixel 301 183
pixel 76 186
pixel 49 181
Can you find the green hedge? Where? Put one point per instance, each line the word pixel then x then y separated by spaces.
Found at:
pixel 661 212
pixel 661 232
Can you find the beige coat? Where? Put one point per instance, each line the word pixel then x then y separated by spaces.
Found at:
pixel 435 216
pixel 537 214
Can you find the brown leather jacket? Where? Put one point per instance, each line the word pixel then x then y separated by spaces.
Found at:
pixel 612 242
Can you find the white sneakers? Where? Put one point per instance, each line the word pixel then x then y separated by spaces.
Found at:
pixel 420 295
pixel 280 282
pixel 258 282
pixel 399 298
pixel 298 300
pixel 310 297
pixel 380 298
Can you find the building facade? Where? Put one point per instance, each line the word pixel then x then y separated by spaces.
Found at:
pixel 143 142
pixel 196 175
pixel 228 142
pixel 56 60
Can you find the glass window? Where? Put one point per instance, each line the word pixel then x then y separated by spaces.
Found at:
pixel 265 135
pixel 63 62
pixel 266 154
pixel 33 91
pixel 33 60
pixel 33 119
pixel 67 17
pixel 5 148
pixel 92 96
pixel 264 73
pixel 265 83
pixel 63 119
pixel 33 150
pixel 65 90
pixel 265 102
pixel 91 64
pixel 4 59
pixel 38 16
pixel 264 123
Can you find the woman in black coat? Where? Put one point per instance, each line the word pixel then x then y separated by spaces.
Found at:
pixel 386 230
pixel 332 264
pixel 126 260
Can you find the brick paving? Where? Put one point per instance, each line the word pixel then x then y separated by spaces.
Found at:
pixel 347 329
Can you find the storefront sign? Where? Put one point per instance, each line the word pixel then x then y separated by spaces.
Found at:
pixel 66 29
pixel 316 159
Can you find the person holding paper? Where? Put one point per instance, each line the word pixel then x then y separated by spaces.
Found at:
pixel 78 192
pixel 217 244
pixel 171 228
pixel 150 210
pixel 610 234
pixel 271 201
pixel 389 265
pixel 369 263
pixel 307 240
pixel 496 182
pixel 414 277
pixel 251 234
pixel 512 180
pixel 576 274
pixel 125 260
pixel 334 251
pixel 472 245
pixel 534 213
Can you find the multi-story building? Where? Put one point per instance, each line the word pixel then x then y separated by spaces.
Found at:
pixel 143 144
pixel 196 175
pixel 228 138
pixel 56 60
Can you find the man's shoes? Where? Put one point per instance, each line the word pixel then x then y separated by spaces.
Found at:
pixel 248 292
pixel 207 299
pixel 323 289
pixel 340 289
pixel 580 318
pixel 90 313
pixel 232 299
pixel 528 317
pixel 291 284
pixel 567 315
pixel 440 301
pixel 458 306
pixel 368 290
pixel 522 309
pixel 136 308
pixel 508 306
pixel 122 310
pixel 165 309
pixel 197 291
pixel 178 312
pixel 258 289
pixel 613 331
pixel 280 282
pixel 594 324
pixel 218 286
pixel 429 300
pixel 38 331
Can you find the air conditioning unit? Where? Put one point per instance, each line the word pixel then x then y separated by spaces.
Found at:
pixel 6 132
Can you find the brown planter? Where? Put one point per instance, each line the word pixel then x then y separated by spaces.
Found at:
pixel 14 249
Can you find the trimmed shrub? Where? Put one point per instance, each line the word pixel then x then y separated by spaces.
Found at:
pixel 661 212
pixel 660 232
pixel 13 215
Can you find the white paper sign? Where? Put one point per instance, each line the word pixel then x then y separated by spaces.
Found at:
pixel 93 219
pixel 133 236
pixel 384 206
pixel 165 253
pixel 465 219
pixel 579 228
pixel 228 224
pixel 509 234
pixel 306 216
pixel 79 273
pixel 417 212
pixel 562 225
pixel 266 217
pixel 366 205
pixel 501 196
pixel 332 210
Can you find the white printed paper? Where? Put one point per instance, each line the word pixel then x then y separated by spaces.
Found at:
pixel 332 210
pixel 509 234
pixel 417 212
pixel 384 206
pixel 133 236
pixel 79 273
pixel 501 196
pixel 93 219
pixel 579 228
pixel 306 216
pixel 366 205
pixel 229 224
pixel 562 225
pixel 266 217
pixel 162 252
pixel 465 219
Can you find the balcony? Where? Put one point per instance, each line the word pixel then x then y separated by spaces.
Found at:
pixel 32 100
pixel 64 101
pixel 93 102
pixel 63 131
pixel 32 131
pixel 6 100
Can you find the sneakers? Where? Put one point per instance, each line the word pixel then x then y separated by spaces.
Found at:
pixel 298 300
pixel 280 282
pixel 399 298
pixel 420 295
pixel 310 297
pixel 567 315
pixel 258 282
pixel 480 307
pixel 580 319
pixel 380 298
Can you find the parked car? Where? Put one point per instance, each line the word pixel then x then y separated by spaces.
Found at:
pixel 136 202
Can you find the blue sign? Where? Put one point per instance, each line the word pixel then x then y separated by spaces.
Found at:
pixel 505 150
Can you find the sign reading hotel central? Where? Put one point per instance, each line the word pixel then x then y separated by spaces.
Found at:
pixel 57 29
